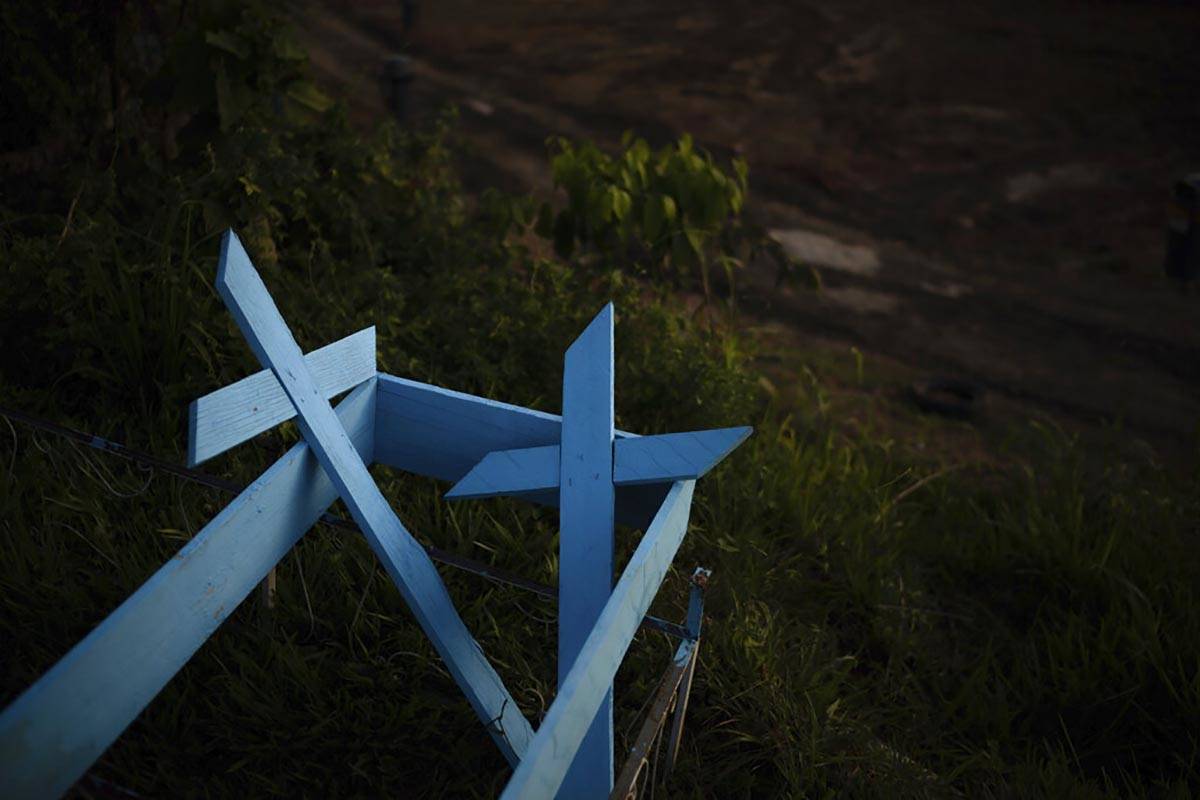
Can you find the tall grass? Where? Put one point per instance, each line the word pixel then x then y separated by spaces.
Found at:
pixel 1032 638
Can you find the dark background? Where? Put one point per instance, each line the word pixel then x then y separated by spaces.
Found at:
pixel 1008 164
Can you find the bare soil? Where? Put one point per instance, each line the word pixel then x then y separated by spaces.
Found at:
pixel 983 186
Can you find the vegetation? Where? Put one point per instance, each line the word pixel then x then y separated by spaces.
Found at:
pixel 669 213
pixel 872 631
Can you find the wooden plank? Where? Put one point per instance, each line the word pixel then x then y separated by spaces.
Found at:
pixel 52 733
pixel 509 472
pixel 674 456
pixel 236 413
pixel 541 772
pixel 663 458
pixel 404 558
pixel 586 541
pixel 441 433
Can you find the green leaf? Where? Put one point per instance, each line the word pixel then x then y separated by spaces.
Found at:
pixel 602 202
pixel 730 265
pixel 627 176
pixel 621 202
pixel 562 164
pixel 229 42
pixel 736 197
pixel 249 185
pixel 309 96
pixel 288 49
pixel 668 208
pixel 636 159
pixel 743 172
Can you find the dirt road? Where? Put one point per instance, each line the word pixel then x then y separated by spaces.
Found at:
pixel 983 186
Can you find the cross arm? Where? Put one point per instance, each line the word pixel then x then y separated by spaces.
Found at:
pixel 637 460
pixel 233 414
pixel 405 559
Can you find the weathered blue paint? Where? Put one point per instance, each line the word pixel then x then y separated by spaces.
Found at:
pixel 406 561
pixel 236 413
pixel 441 433
pixel 509 472
pixel 541 771
pixel 664 458
pixel 53 732
pixel 674 456
pixel 587 503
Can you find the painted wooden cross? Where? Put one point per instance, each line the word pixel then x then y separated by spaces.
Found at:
pixel 597 475
pixel 585 470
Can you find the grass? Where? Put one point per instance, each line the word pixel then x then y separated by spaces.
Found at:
pixel 1036 638
pixel 878 625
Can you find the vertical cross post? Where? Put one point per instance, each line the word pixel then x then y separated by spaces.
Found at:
pixel 585 549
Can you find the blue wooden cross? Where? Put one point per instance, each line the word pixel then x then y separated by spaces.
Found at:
pixel 585 470
pixel 55 730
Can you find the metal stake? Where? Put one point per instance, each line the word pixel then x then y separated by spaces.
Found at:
pixel 673 692
pixel 695 618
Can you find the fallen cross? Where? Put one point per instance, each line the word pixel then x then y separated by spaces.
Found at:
pixel 596 475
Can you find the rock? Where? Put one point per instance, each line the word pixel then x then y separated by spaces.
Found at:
pixel 823 251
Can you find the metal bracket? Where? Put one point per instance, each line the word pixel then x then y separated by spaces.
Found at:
pixel 694 621
pixel 673 693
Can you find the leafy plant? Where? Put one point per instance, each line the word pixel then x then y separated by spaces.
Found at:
pixel 672 215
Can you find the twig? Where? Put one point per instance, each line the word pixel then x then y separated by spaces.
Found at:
pixel 362 599
pixel 70 216
pixel 13 461
pixel 98 471
pixel 92 544
pixel 925 480
pixel 312 620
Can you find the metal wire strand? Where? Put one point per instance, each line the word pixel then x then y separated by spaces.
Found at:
pixel 106 477
pixel 12 463
pixel 153 463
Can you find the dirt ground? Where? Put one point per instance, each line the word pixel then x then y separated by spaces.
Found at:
pixel 983 186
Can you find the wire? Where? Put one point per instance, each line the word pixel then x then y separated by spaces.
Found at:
pixel 12 461
pixel 494 574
